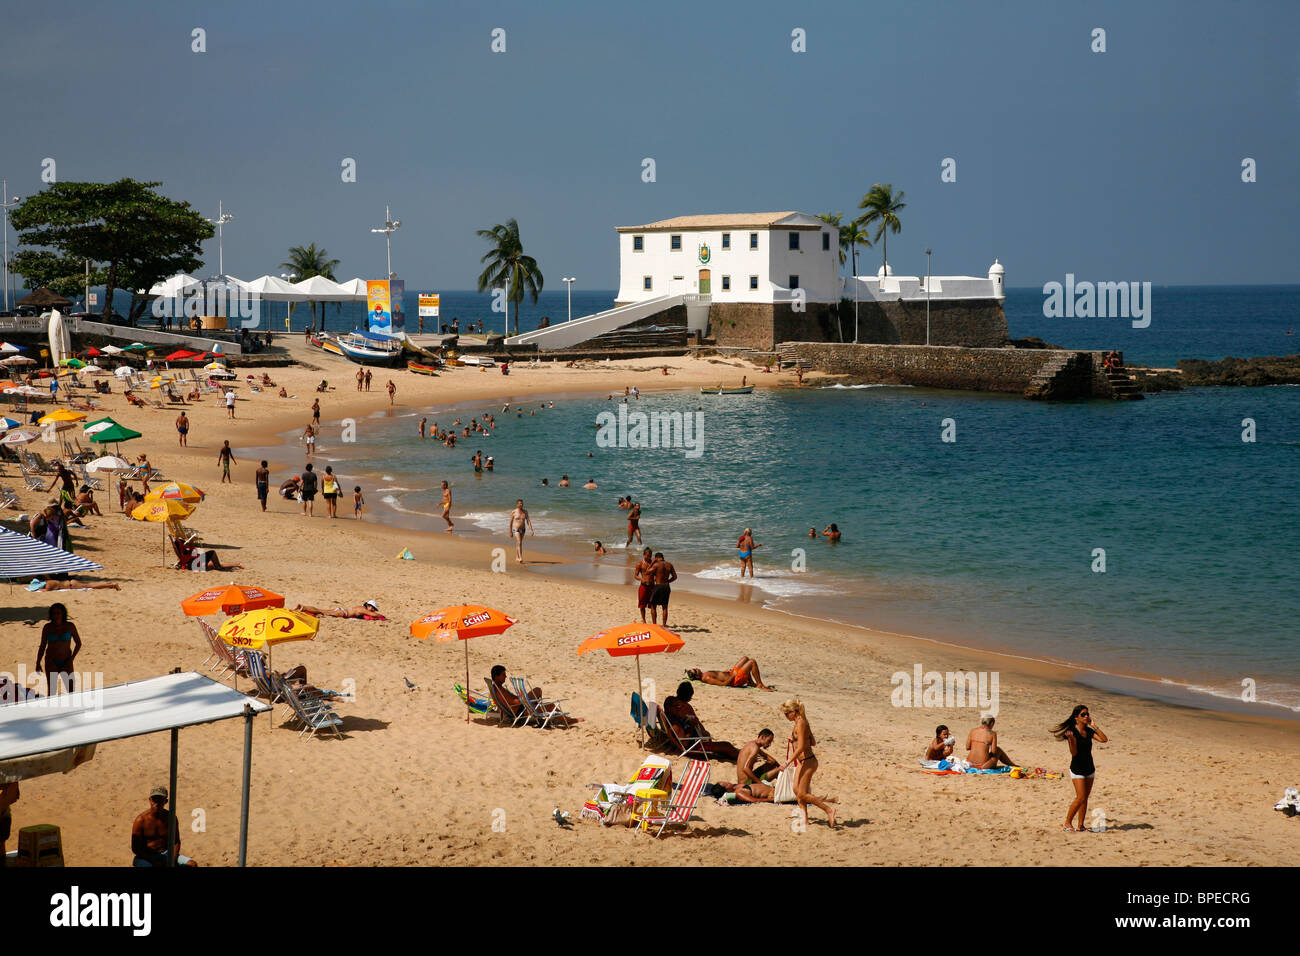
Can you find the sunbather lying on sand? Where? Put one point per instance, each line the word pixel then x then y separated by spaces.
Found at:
pixel 361 612
pixel 744 674
pixel 750 792
pixel 37 584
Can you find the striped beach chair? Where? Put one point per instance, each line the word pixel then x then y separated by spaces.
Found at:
pixel 542 711
pixel 682 803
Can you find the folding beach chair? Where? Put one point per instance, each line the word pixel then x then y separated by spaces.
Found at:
pixel 543 711
pixel 313 716
pixel 504 711
pixel 261 679
pixel 682 802
pixel 86 477
pixel 33 481
pixel 685 745
pixel 8 497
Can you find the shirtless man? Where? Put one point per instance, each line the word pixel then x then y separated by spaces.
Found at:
pixel 591 485
pixel 446 506
pixel 663 575
pixel 677 709
pixel 149 834
pixel 369 609
pixel 746 771
pixel 744 674
pixel 941 747
pixel 634 524
pixel 641 574
pixel 982 746
pixel 519 524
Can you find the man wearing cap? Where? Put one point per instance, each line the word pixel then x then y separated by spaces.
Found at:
pixel 362 611
pixel 149 834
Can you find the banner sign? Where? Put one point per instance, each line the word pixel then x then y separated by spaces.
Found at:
pixel 396 297
pixel 429 302
pixel 378 314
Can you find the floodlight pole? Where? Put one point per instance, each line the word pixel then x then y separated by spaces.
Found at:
pixel 6 204
pixel 248 776
pixel 927 296
pixel 223 217
pixel 568 281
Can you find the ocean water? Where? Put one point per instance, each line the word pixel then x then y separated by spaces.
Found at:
pixel 992 540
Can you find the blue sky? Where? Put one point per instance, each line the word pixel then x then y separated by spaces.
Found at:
pixel 1117 165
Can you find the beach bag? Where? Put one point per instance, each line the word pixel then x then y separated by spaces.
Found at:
pixel 783 786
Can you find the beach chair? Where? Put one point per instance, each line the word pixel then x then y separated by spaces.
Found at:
pixel 543 711
pixel 8 497
pixel 86 477
pixel 257 673
pixel 684 745
pixel 504 711
pixel 33 481
pixel 682 803
pixel 313 716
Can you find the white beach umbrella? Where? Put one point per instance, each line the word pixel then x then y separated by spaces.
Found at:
pixel 108 462
pixel 110 350
pixel 18 360
pixel 19 436
pixel 124 371
pixel 94 369
pixel 29 390
pixel 8 349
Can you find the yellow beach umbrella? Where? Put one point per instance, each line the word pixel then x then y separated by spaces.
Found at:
pixel 266 627
pixel 162 509
pixel 61 415
pixel 176 491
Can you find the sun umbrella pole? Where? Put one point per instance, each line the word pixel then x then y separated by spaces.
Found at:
pixel 467 707
pixel 640 726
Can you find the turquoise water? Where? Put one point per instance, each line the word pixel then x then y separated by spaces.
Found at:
pixel 988 540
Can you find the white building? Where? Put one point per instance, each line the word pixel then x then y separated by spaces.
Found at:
pixel 887 287
pixel 742 257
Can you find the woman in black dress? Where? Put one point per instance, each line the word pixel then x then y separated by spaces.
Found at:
pixel 1079 732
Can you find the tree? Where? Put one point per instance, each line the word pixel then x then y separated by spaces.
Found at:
pixel 883 207
pixel 854 235
pixel 308 261
pixel 508 267
pixel 132 236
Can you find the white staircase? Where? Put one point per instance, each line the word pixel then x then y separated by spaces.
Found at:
pixel 566 335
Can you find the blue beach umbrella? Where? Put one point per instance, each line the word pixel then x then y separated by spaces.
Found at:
pixel 23 556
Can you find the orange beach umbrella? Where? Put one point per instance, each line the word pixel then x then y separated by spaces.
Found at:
pixel 634 640
pixel 232 599
pixel 460 623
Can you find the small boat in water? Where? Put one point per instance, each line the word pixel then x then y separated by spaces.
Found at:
pixel 369 348
pixel 727 391
pixel 421 368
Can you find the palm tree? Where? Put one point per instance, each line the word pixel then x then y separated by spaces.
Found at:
pixel 308 261
pixel 883 208
pixel 833 219
pixel 507 266
pixel 854 235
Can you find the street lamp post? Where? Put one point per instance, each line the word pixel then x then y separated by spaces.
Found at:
pixel 391 226
pixel 7 203
pixel 927 296
pixel 223 217
pixel 288 309
pixel 855 292
pixel 569 280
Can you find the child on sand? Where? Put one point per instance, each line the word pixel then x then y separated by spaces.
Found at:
pixel 358 502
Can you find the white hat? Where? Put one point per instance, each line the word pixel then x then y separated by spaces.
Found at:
pixel 372 605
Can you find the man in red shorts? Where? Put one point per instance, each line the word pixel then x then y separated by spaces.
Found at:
pixel 642 576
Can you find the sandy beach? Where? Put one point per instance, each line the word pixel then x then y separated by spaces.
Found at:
pixel 412 783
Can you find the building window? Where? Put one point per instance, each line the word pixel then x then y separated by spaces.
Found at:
pixel 638 243
pixel 646 283
pixel 753 240
pixel 675 243
pixel 826 241
pixel 726 240
pixel 794 242
pixel 753 282
pixel 726 283
pixel 794 282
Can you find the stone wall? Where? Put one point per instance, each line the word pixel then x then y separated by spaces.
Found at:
pixel 936 366
pixel 975 323
pixel 761 325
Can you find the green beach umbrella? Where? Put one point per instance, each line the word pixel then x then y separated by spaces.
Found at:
pixel 113 434
pixel 73 363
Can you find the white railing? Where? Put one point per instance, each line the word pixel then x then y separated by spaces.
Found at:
pixel 565 335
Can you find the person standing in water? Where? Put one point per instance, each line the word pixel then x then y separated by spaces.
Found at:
pixel 745 551
pixel 446 506
pixel 1079 732
pixel 520 523
pixel 634 525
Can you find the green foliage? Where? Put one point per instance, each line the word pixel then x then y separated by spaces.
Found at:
pixel 882 208
pixel 308 261
pixel 132 236
pixel 505 265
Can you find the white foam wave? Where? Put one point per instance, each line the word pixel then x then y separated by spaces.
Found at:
pixel 777 582
pixel 842 386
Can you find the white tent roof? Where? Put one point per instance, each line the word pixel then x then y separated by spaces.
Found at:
pixel 355 286
pixel 323 290
pixel 173 286
pixel 114 713
pixel 271 289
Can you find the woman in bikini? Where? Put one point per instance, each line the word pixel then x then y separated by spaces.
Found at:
pixel 745 550
pixel 744 674
pixel 800 746
pixel 1079 732
pixel 60 644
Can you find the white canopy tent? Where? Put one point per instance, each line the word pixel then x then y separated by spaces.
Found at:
pixel 356 287
pixel 320 289
pixel 174 286
pixel 272 289
pixel 94 716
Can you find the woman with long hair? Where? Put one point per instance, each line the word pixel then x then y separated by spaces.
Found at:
pixel 60 644
pixel 1079 732
pixel 799 751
